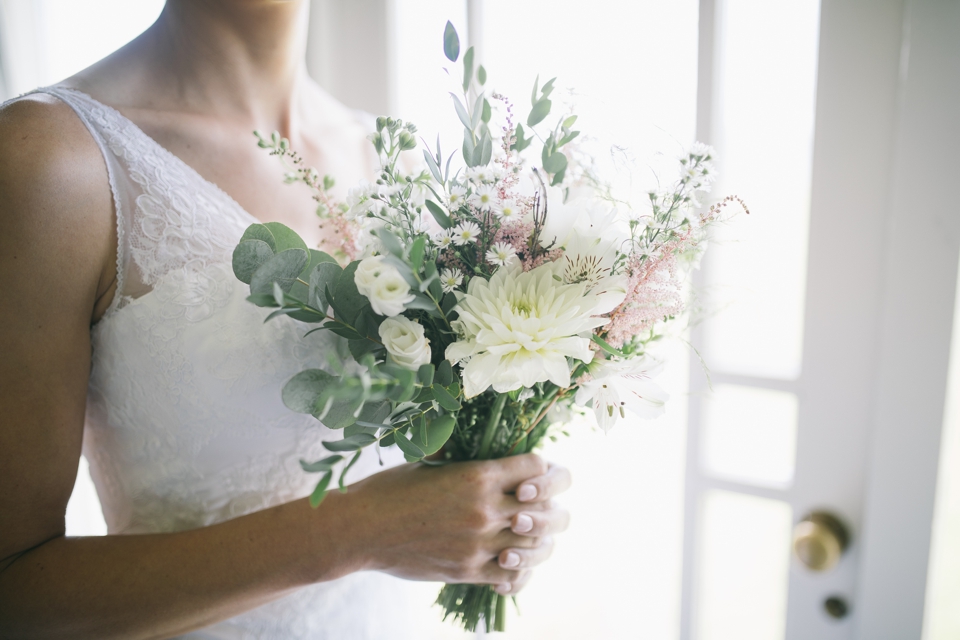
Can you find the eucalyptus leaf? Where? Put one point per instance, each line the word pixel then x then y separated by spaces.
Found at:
pixel 262 299
pixel 467 68
pixel 417 251
pixel 555 163
pixel 323 276
pixel 438 431
pixel 321 491
pixel 349 301
pixel 432 164
pixel 444 374
pixel 409 448
pixel 477 112
pixel 301 392
pixel 461 113
pixel 486 146
pixel 425 374
pixel 343 474
pixel 247 258
pixel 285 237
pixel 569 122
pixel 320 465
pixel 351 443
pixel 444 398
pixel 451 42
pixel 375 412
pixel 438 214
pixel 361 346
pixel 390 241
pixel 482 75
pixel 283 268
pixel 540 111
pixel 469 147
pixel 486 113
pixel 260 232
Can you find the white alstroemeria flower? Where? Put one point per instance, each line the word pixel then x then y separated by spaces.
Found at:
pixel 465 232
pixel 444 239
pixel 590 260
pixel 450 279
pixel 456 198
pixel 359 201
pixel 507 211
pixel 383 286
pixel 519 328
pixel 484 198
pixel 501 253
pixel 622 385
pixel 405 342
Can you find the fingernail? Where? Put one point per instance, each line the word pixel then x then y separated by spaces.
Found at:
pixel 512 560
pixel 503 588
pixel 523 524
pixel 526 492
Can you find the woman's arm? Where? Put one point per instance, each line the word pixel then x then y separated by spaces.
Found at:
pixel 57 248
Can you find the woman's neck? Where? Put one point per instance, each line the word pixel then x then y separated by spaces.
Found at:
pixel 234 58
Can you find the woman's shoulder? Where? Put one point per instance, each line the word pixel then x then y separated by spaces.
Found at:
pixel 56 197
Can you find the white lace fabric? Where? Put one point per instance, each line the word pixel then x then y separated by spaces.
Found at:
pixel 185 426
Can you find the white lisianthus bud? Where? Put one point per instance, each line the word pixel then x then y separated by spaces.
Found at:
pixel 405 342
pixel 383 286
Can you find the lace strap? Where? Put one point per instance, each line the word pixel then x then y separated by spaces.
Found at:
pixel 81 106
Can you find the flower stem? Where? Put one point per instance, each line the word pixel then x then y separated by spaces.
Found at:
pixel 487 441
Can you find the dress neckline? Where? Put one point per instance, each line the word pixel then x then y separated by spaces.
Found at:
pixel 166 153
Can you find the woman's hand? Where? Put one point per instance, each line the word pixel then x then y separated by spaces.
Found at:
pixel 481 522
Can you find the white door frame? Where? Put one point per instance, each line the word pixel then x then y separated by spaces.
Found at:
pixel 884 244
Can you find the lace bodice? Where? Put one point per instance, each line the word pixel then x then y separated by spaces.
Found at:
pixel 185 426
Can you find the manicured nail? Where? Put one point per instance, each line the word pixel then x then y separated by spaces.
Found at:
pixel 503 588
pixel 512 560
pixel 523 524
pixel 526 492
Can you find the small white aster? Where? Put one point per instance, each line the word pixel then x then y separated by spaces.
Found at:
pixel 444 239
pixel 465 232
pixel 508 210
pixel 450 279
pixel 484 198
pixel 501 254
pixel 457 197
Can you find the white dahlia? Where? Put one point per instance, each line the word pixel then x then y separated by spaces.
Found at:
pixel 519 328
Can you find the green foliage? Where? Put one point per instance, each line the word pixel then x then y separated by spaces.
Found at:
pixel 451 42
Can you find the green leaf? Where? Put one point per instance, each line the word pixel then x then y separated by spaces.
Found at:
pixel 469 148
pixel 409 448
pixel 486 149
pixel 444 398
pixel 477 112
pixel 342 330
pixel 448 303
pixel 533 96
pixel 461 112
pixel 451 42
pixel 351 443
pixel 277 296
pixel 439 431
pixel 349 301
pixel 467 68
pixel 547 88
pixel 425 374
pixel 558 177
pixel 569 122
pixel 387 440
pixel 432 164
pixel 258 231
pixel 321 491
pixel 425 395
pixel 320 465
pixel 568 138
pixel 262 299
pixel 487 113
pixel 283 268
pixel 343 474
pixel 444 374
pixel 375 412
pixel 417 251
pixel 482 76
pixel 390 241
pixel 431 276
pixel 359 347
pixel 439 214
pixel 301 392
pixel 555 163
pixel 285 237
pixel 607 347
pixel 247 258
pixel 540 111
pixel 324 275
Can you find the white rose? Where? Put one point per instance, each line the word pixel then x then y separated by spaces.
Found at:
pixel 383 285
pixel 405 342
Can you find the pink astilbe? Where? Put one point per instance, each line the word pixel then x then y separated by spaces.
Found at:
pixel 653 294
pixel 343 240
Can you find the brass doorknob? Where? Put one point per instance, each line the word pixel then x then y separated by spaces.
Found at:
pixel 819 540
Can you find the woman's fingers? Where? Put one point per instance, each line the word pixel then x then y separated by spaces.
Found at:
pixel 537 523
pixel 516 558
pixel 513 588
pixel 555 481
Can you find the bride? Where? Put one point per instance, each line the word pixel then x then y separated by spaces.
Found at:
pixel 124 331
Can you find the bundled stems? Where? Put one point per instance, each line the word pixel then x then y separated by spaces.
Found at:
pixel 491 430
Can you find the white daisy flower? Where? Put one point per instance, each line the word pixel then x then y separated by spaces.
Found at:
pixel 501 254
pixel 457 197
pixel 484 198
pixel 450 279
pixel 465 232
pixel 444 239
pixel 508 210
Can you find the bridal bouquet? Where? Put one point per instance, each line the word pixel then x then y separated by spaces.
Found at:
pixel 478 301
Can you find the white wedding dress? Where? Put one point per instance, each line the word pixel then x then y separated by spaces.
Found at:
pixel 185 427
